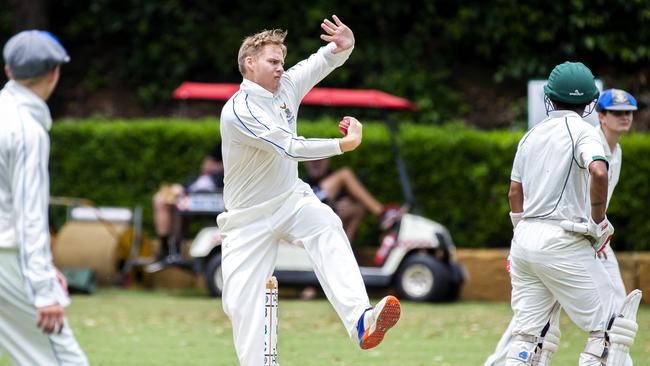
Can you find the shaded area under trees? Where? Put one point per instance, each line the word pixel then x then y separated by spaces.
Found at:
pixel 466 59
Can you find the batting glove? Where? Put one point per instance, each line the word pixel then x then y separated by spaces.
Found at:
pixel 599 234
pixel 516 218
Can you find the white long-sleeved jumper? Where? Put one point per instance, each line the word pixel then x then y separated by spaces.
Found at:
pixel 261 149
pixel 24 190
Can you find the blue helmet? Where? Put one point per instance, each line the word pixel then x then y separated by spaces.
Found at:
pixel 616 100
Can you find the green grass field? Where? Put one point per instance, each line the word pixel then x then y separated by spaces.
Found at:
pixel 118 327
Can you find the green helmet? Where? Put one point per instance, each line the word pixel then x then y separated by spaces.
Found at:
pixel 571 83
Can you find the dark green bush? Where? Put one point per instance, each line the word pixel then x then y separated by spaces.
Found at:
pixel 460 176
pixel 123 164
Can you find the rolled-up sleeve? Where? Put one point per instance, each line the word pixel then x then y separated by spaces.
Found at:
pixel 515 173
pixel 589 148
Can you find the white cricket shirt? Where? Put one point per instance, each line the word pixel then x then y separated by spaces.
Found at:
pixel 24 189
pixel 615 159
pixel 260 147
pixel 552 163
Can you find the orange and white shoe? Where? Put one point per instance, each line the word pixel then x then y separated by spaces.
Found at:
pixel 374 323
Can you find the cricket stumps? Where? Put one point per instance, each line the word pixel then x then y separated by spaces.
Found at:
pixel 271 322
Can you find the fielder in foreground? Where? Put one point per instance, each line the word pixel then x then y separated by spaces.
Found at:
pixel 554 264
pixel 32 292
pixel 266 201
pixel 615 114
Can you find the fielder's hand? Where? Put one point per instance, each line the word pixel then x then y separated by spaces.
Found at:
pixel 598 233
pixel 50 318
pixel 354 134
pixel 338 33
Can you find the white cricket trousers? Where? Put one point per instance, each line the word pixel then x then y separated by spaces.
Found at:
pixel 249 251
pixel 498 358
pixel 549 264
pixel 23 341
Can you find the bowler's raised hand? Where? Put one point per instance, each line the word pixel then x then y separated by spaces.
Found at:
pixel 338 33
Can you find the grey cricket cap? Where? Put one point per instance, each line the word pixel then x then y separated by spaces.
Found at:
pixel 33 53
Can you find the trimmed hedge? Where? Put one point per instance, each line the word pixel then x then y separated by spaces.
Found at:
pixel 460 176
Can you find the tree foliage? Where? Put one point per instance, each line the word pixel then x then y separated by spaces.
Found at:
pixel 443 55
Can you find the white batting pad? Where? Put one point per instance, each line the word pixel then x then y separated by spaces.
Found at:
pixel 623 331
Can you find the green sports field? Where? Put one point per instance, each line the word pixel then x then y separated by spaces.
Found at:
pixel 136 327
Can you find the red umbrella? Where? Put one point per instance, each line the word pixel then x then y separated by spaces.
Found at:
pixel 367 98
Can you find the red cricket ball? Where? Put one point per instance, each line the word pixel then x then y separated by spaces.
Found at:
pixel 343 126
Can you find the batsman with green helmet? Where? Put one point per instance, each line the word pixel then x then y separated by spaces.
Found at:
pixel 556 237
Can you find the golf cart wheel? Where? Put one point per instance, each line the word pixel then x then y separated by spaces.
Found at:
pixel 213 275
pixel 422 278
pixel 456 283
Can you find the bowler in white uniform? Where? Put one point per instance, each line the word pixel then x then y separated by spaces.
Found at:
pixel 266 201
pixel 33 329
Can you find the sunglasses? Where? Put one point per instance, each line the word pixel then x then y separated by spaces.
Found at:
pixel 621 113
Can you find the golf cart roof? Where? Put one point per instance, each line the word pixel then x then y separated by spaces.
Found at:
pixel 333 97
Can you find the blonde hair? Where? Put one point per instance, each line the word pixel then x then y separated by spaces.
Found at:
pixel 254 44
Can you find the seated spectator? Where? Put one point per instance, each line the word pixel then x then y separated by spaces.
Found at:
pixel 348 197
pixel 174 196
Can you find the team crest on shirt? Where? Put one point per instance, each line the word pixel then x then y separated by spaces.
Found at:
pixel 290 118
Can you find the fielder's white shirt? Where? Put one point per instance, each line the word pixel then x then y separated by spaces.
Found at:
pixel 615 158
pixel 260 147
pixel 552 163
pixel 24 189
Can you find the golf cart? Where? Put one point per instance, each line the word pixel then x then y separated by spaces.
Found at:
pixel 416 256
